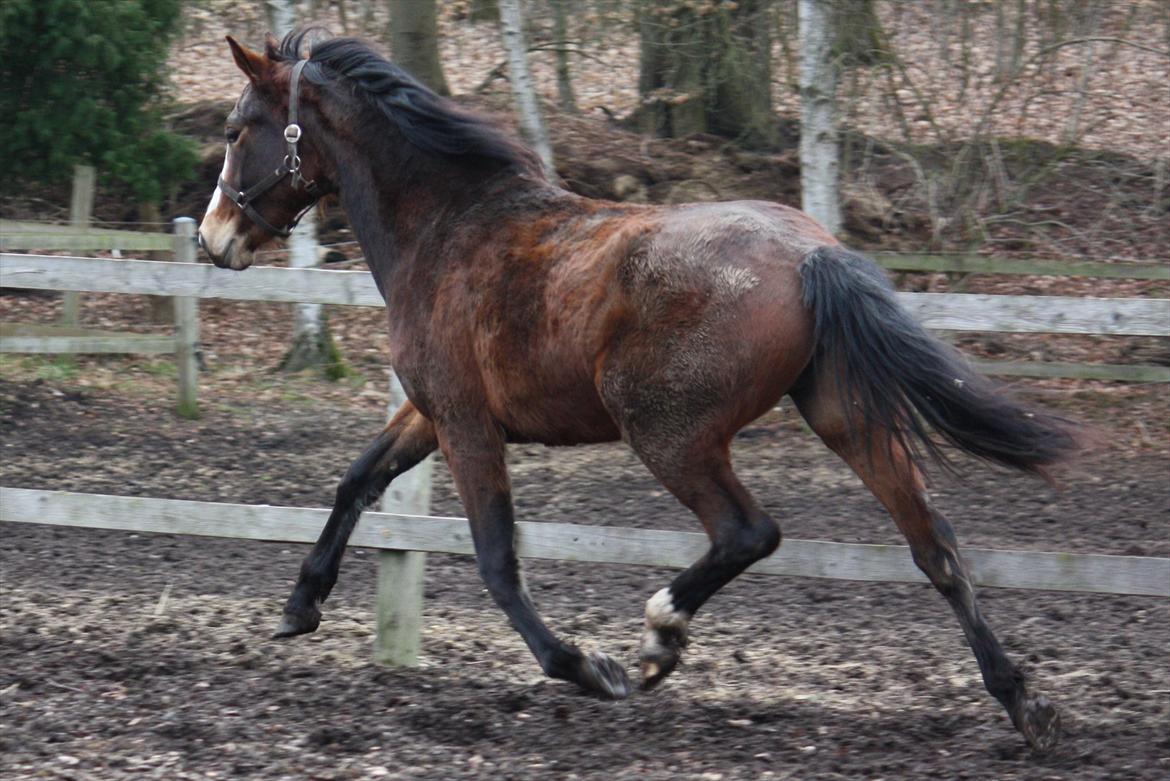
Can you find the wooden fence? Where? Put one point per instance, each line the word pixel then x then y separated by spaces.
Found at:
pixel 404 539
pixel 398 536
pixel 67 338
pixel 1011 314
pixel 948 311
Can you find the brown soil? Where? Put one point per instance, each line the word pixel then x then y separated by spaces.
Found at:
pixel 101 678
pixel 785 678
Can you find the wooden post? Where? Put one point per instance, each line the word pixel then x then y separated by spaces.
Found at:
pixel 80 215
pixel 401 573
pixel 186 325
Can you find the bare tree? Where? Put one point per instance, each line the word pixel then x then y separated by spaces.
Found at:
pixel 1088 27
pixel 531 123
pixel 706 69
pixel 819 154
pixel 414 40
pixel 1009 46
pixel 857 32
pixel 565 97
pixel 281 15
pixel 484 11
pixel 312 345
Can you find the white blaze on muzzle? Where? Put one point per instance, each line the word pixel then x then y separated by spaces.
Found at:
pixel 219 224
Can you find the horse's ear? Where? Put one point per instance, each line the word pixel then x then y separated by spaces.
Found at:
pixel 254 65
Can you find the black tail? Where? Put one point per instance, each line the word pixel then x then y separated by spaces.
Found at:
pixel 901 379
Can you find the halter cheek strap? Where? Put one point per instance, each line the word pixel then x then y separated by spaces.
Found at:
pixel 290 166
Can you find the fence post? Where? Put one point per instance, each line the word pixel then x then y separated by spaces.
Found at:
pixel 401 573
pixel 186 325
pixel 80 214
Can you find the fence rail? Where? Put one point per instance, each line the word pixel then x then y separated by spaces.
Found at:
pixel 15 235
pixel 1081 572
pixel 980 264
pixel 60 339
pixel 946 311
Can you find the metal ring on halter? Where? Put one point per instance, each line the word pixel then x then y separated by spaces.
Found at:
pixel 292 163
pixel 292 133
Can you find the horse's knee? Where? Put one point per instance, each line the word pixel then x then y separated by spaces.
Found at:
pixel 766 537
pixel 753 541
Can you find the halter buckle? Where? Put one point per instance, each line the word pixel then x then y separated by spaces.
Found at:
pixel 292 133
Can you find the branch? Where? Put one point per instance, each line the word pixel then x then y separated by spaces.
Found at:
pixel 1105 39
pixel 1009 83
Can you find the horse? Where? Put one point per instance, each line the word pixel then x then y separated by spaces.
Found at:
pixel 521 312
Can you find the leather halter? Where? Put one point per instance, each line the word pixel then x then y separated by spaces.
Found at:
pixel 290 166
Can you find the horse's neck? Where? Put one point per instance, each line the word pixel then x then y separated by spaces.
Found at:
pixel 394 211
pixel 388 203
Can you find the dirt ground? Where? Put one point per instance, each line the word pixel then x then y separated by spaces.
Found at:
pixel 148 656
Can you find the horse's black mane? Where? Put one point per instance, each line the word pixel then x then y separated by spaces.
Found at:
pixel 428 121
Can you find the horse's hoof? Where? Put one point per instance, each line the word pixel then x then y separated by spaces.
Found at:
pixel 298 622
pixel 1039 722
pixel 660 653
pixel 604 676
pixel 655 667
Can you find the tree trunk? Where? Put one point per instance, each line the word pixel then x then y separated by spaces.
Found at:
pixel 1010 39
pixel 706 70
pixel 565 97
pixel 414 41
pixel 858 36
pixel 281 16
pixel 819 164
pixel 162 308
pixel 483 11
pixel 1088 29
pixel 531 123
pixel 312 346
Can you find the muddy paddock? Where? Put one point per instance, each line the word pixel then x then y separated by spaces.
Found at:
pixel 139 656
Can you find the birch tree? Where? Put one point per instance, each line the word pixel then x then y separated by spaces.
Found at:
pixel 531 123
pixel 312 345
pixel 565 97
pixel 819 154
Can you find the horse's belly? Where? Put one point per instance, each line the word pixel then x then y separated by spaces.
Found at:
pixel 534 407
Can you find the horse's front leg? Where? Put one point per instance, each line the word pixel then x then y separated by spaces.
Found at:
pixel 406 441
pixel 475 456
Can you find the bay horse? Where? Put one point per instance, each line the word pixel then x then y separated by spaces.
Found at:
pixel 521 312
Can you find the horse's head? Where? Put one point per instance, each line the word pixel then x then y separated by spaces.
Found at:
pixel 271 176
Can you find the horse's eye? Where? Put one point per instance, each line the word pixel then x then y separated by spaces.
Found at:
pixel 232 135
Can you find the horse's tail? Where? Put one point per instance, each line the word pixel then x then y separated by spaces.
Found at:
pixel 893 375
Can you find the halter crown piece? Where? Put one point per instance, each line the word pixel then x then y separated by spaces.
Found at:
pixel 290 166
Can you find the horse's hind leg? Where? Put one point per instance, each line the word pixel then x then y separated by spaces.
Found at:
pixel 406 441
pixel 700 476
pixel 889 472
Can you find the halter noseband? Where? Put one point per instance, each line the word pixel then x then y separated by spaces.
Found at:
pixel 290 166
